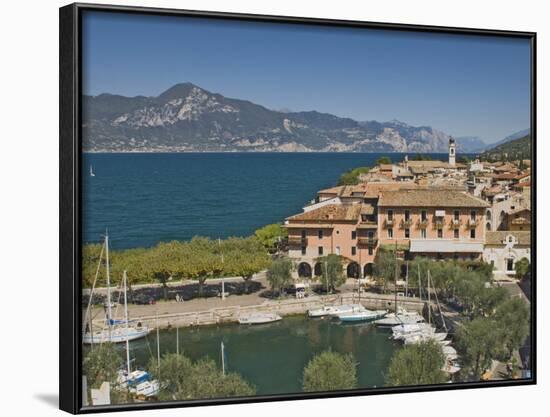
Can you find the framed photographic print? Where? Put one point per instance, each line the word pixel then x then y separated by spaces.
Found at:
pixel 258 208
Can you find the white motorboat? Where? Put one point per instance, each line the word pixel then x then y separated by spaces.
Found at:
pixel 393 319
pixel 451 367
pixel 335 310
pixel 259 318
pixel 361 316
pixel 418 337
pixel 403 329
pixel 399 317
pixel 450 353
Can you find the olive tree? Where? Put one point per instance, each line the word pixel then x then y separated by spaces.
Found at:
pixel 417 364
pixel 329 371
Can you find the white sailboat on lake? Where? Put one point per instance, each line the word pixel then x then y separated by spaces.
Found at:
pixel 116 331
pixel 335 310
pixel 91 172
pixel 138 382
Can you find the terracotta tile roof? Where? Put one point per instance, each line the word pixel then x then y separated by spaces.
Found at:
pixel 497 238
pixel 386 167
pixel 429 198
pixel 505 176
pixel 331 213
pixel 333 190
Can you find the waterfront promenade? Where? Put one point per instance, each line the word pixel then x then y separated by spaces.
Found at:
pixel 214 310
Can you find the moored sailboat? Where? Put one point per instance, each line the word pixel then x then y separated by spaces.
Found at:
pixel 137 382
pixel 362 316
pixel 116 331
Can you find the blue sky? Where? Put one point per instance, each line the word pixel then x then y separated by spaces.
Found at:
pixel 463 85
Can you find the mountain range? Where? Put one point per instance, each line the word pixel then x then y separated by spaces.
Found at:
pixel 188 118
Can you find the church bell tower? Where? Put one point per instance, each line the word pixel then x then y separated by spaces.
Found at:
pixel 452 152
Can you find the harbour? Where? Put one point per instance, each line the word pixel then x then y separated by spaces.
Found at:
pixel 273 356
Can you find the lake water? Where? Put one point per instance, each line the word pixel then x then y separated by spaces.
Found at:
pixel 273 356
pixel 143 199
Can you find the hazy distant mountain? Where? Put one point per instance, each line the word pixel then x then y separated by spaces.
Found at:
pixel 513 136
pixel 471 144
pixel 514 149
pixel 188 118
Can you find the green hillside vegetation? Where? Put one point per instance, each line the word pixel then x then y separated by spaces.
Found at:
pixel 351 177
pixel 514 150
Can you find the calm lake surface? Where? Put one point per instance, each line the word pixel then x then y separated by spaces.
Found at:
pixel 143 199
pixel 273 356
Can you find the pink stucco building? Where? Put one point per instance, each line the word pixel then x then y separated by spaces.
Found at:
pixel 354 221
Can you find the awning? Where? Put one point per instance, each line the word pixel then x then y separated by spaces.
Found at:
pixel 440 213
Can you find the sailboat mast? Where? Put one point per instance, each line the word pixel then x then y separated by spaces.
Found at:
pixel 126 323
pixel 108 279
pixel 178 340
pixel 429 301
pixel 223 358
pixel 158 345
pixel 395 279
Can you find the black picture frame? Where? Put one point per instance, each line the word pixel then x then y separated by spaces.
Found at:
pixel 70 204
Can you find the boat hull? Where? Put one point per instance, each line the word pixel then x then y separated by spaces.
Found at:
pixel 361 316
pixel 115 335
pixel 259 319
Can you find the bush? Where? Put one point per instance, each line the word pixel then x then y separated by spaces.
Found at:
pixel 330 371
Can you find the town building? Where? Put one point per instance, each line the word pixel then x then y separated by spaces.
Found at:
pixel 356 221
pixel 504 248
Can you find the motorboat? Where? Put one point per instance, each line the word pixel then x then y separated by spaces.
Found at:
pixel 259 318
pixel 401 317
pixel 450 353
pixel 359 316
pixel 419 337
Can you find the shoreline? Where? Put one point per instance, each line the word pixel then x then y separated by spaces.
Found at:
pixel 219 314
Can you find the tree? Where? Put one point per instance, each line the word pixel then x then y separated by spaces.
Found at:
pixel 244 257
pixel 332 272
pixel 385 266
pixel 270 235
pixel 384 160
pixel 202 261
pixel 351 177
pixel 478 343
pixel 329 371
pixel 513 318
pixel 521 267
pixel 279 274
pixel 101 364
pixel 417 364
pixel 161 262
pixel 181 379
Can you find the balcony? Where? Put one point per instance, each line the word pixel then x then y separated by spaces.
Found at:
pixel 367 241
pixel 388 223
pixel 455 224
pixel 422 224
pixel 368 224
pixel 297 241
pixel 405 224
pixel 438 222
pixel 473 223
